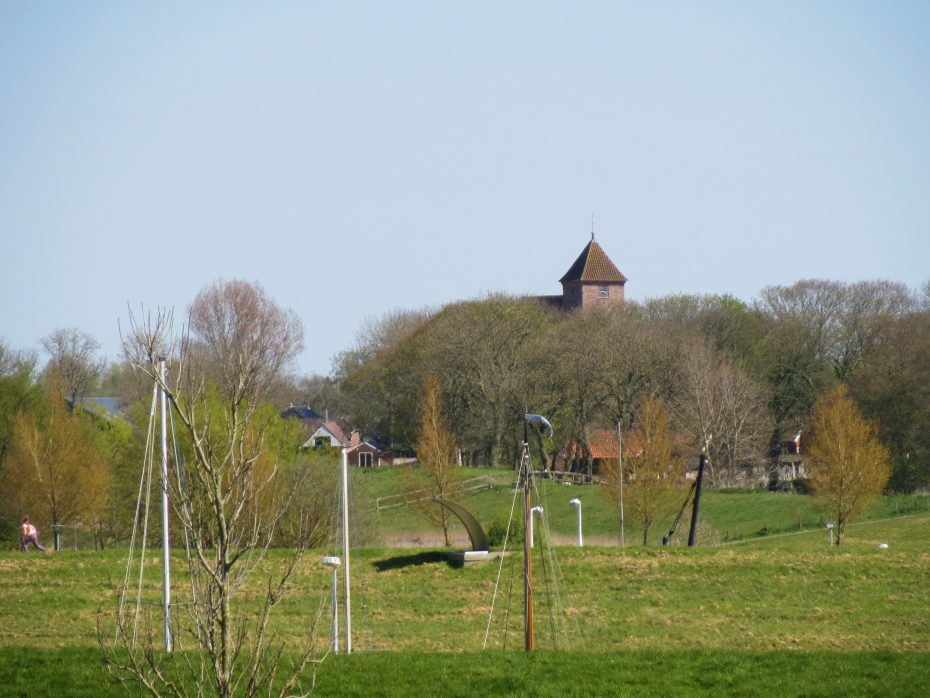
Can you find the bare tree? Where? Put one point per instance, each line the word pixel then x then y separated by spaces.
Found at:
pixel 14 361
pixel 73 357
pixel 839 321
pixel 718 400
pixel 848 464
pixel 483 351
pixel 237 344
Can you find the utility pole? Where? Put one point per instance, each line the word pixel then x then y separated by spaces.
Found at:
pixel 697 496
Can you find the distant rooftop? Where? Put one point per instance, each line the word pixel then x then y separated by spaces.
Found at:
pixel 593 265
pixel 301 412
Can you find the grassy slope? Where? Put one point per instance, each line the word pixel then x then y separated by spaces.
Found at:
pixel 726 515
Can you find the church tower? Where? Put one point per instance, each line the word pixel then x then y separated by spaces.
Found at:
pixel 592 280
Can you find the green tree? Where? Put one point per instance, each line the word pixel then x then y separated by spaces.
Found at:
pixel 848 465
pixel 19 391
pixel 54 470
pixel 892 387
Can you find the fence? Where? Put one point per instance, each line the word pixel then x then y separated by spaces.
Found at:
pixel 469 486
pixel 565 477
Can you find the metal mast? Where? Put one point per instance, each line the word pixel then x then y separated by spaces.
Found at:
pixel 528 630
pixel 165 522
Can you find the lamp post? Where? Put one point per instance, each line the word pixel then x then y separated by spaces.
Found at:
pixel 334 562
pixel 533 510
pixel 577 504
pixel 830 529
pixel 345 547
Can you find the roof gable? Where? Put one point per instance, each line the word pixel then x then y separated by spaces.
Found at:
pixel 593 265
pixel 304 412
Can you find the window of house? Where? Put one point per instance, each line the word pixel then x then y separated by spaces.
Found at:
pixel 364 460
pixel 603 291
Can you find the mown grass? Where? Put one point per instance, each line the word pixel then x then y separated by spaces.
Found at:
pixel 77 673
pixel 768 593
pixel 773 614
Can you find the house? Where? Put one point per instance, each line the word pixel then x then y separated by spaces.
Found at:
pixel 362 453
pixel 600 450
pixel 323 432
pixel 789 464
pixel 366 454
pixel 591 281
pixel 304 413
pixel 331 433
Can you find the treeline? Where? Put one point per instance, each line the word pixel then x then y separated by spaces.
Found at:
pixel 66 460
pixel 747 374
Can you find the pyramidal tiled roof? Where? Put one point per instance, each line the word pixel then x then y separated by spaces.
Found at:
pixel 594 265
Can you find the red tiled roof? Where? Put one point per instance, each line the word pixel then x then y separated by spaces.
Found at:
pixel 602 443
pixel 593 265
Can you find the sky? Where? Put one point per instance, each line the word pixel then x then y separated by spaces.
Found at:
pixel 356 158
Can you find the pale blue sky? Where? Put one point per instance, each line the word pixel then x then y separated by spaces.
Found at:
pixel 355 157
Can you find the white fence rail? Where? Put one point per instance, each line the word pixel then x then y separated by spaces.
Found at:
pixel 402 499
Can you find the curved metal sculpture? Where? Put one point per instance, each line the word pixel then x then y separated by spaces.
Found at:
pixel 479 539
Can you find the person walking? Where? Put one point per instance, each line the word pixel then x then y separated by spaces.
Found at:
pixel 30 535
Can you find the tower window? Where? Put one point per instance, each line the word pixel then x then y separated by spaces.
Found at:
pixel 603 292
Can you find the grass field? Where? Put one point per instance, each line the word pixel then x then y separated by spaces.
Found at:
pixel 725 516
pixel 770 614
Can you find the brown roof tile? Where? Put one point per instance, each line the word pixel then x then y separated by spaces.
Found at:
pixel 593 265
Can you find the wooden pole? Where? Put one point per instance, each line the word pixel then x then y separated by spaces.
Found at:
pixel 697 499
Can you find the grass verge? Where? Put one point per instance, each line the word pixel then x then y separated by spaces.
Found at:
pixel 77 672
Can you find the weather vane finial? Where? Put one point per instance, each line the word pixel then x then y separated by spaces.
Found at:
pixel 592 226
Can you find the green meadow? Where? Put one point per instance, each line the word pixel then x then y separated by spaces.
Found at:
pixel 779 612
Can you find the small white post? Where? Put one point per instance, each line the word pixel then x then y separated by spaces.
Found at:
pixel 830 529
pixel 577 504
pixel 334 562
pixel 533 510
